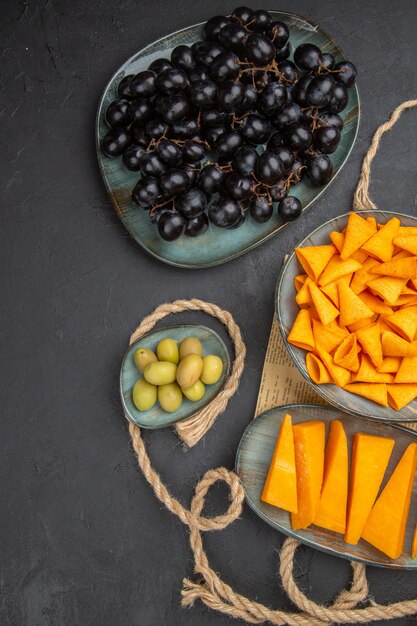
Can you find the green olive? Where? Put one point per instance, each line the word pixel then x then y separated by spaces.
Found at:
pixel 212 369
pixel 196 392
pixel 143 357
pixel 189 370
pixel 160 373
pixel 167 350
pixel 144 395
pixel 190 345
pixel 170 397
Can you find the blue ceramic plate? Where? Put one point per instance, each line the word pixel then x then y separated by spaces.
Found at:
pixel 286 310
pixel 216 245
pixel 254 457
pixel 129 374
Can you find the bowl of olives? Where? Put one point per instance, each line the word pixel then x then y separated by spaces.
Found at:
pixel 168 375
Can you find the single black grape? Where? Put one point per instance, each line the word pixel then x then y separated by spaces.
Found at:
pixel 308 56
pixel 273 99
pixel 239 186
pixel 171 81
pixel 191 202
pixel 152 165
pixel 123 89
pixel 290 113
pixel 115 142
pixel 227 144
pixel 327 60
pixel 260 208
pixel 298 136
pixel 319 170
pixel 131 157
pixel 242 15
pixel 250 98
pixel 244 160
pixel 233 37
pixel 339 100
pixel 213 117
pixel 211 179
pixel 183 57
pixel 207 51
pixel 156 212
pixel 259 49
pixel 224 212
pixel 289 209
pixel 155 129
pixel 169 152
pixel 225 67
pixel 212 134
pixel 260 21
pixel 345 73
pixel 326 139
pixel 332 119
pixel 159 65
pixel 146 192
pixel 117 113
pixel 144 84
pixel 275 141
pixel 173 182
pixel 184 129
pixel 320 91
pixel 285 155
pixel 193 151
pixel 175 108
pixel 289 70
pixel 196 226
pixel 199 72
pixel 191 170
pixel 278 33
pixel 300 91
pixel 231 96
pixel 283 52
pixel 171 225
pixel 140 110
pixel 255 129
pixel 213 26
pixel 269 168
pixel 239 221
pixel 278 191
pixel 203 93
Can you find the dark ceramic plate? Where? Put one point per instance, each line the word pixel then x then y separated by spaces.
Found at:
pixel 216 245
pixel 286 310
pixel 254 457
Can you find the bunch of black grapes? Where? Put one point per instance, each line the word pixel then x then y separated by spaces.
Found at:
pixel 226 126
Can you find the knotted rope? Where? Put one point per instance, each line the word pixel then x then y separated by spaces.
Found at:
pixel 215 593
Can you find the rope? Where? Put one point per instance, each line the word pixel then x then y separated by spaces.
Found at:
pixel 192 429
pixel 212 590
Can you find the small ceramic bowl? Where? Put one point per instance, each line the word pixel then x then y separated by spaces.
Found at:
pixel 156 417
pixel 286 309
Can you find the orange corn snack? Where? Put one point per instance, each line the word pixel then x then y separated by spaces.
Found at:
pixel 393 345
pixel 374 303
pixel 280 487
pixel 408 243
pixel 377 392
pixel 346 354
pixel 315 258
pixel 407 372
pixel 404 322
pixel 401 394
pixel 327 337
pixel 390 365
pixel 325 309
pixel 301 334
pixel 317 370
pixel 299 281
pixel 358 232
pixel 362 276
pixel 398 268
pixel 370 340
pixel 380 245
pixel 339 375
pixel 352 308
pixel 337 239
pixel 337 268
pixel 368 373
pixel 332 292
pixel 387 287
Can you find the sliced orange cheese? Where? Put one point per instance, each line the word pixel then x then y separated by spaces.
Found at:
pixel 407 372
pixel 340 376
pixel 280 487
pixel 315 258
pixel 377 392
pixel 394 345
pixel 407 243
pixel 387 287
pixel 367 373
pixel 337 268
pixel 401 394
pixel 301 333
pixel 325 309
pixel 386 524
pixel 374 303
pixel 370 456
pixel 380 245
pixel 317 370
pixel 358 232
pixel 352 308
pixel 398 268
pixel 331 512
pixel 404 322
pixel 327 337
pixel 390 365
pixel 309 439
pixel 346 354
pixel 370 340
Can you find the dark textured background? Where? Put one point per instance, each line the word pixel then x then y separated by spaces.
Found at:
pixel 83 540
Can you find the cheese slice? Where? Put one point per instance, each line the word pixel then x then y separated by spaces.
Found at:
pixel 331 513
pixel 280 487
pixel 309 438
pixel 370 456
pixel 386 524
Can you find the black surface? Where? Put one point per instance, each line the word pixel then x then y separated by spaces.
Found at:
pixel 83 540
